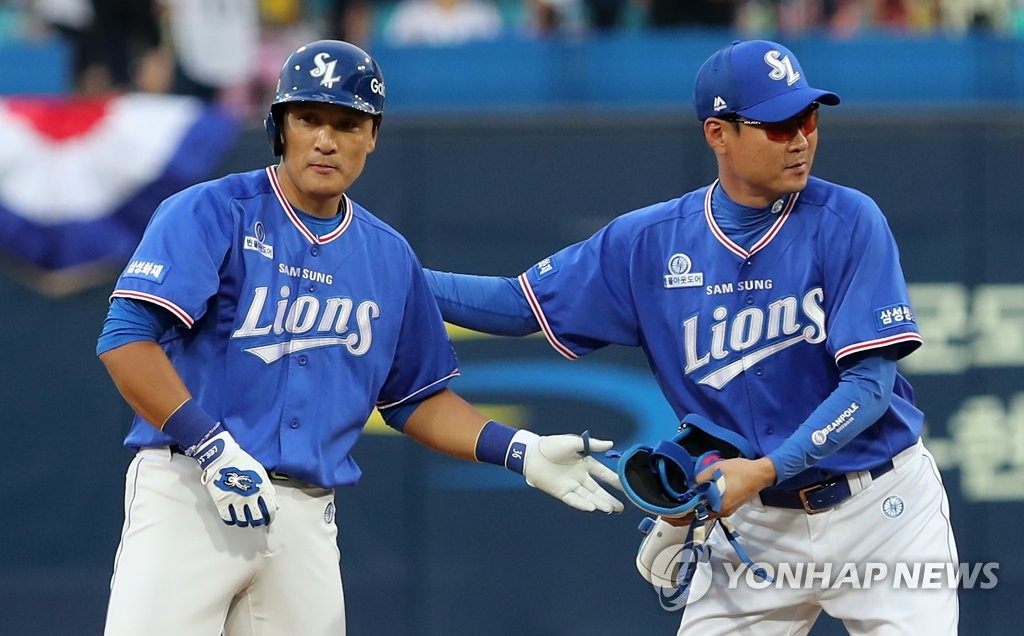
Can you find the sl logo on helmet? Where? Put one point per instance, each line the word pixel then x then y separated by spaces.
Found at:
pixel 325 70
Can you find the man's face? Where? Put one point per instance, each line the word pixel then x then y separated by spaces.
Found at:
pixel 325 149
pixel 758 163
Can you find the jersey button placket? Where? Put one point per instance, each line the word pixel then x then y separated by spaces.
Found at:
pixel 303 360
pixel 294 423
pixel 315 250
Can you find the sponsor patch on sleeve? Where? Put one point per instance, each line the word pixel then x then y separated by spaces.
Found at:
pixel 893 316
pixel 146 270
pixel 545 267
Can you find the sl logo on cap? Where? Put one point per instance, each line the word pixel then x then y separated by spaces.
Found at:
pixel 781 68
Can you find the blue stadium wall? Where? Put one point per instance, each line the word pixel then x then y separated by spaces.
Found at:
pixel 431 546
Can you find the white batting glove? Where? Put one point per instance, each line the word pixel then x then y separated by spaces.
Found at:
pixel 237 483
pixel 561 466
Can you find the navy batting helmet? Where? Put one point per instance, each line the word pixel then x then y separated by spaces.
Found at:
pixel 331 72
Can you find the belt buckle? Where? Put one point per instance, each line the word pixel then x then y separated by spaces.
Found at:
pixel 802 493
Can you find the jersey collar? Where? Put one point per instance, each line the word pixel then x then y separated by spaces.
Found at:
pixel 297 222
pixel 763 241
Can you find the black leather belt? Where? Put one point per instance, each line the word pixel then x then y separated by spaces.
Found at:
pixel 273 474
pixel 817 497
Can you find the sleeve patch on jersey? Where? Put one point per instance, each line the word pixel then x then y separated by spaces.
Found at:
pixel 893 316
pixel 545 267
pixel 147 270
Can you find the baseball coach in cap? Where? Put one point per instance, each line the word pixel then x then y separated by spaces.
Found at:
pixel 772 304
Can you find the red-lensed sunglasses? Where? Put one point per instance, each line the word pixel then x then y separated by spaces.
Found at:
pixel 784 131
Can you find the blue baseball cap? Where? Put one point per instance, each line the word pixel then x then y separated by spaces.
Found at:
pixel 757 79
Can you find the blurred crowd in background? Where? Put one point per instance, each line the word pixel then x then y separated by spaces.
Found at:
pixel 205 48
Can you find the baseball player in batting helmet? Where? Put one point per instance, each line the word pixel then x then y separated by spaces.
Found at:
pixel 772 306
pixel 262 318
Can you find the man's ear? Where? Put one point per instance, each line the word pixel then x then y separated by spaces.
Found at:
pixel 714 134
pixel 374 132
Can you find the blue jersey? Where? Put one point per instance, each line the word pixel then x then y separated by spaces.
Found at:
pixel 751 338
pixel 288 338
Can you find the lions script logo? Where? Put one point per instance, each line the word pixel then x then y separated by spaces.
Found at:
pixel 750 335
pixel 326 320
pixel 325 69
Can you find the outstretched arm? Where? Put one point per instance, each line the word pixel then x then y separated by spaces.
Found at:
pixel 446 423
pixel 559 465
pixel 488 304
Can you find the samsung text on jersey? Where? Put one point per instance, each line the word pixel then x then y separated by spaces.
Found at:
pixel 743 285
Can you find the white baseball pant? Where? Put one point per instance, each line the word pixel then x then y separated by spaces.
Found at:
pixel 863 529
pixel 180 569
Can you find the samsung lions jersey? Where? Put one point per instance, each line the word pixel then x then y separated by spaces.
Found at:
pixel 751 338
pixel 288 338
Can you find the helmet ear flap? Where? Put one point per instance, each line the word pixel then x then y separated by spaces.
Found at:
pixel 274 133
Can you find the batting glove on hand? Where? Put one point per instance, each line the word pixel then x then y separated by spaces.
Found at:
pixel 561 466
pixel 237 483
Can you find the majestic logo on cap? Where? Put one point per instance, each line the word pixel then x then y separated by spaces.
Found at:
pixel 325 70
pixel 782 67
pixel 719 104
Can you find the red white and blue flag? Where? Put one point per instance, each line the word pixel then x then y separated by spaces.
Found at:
pixel 81 177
